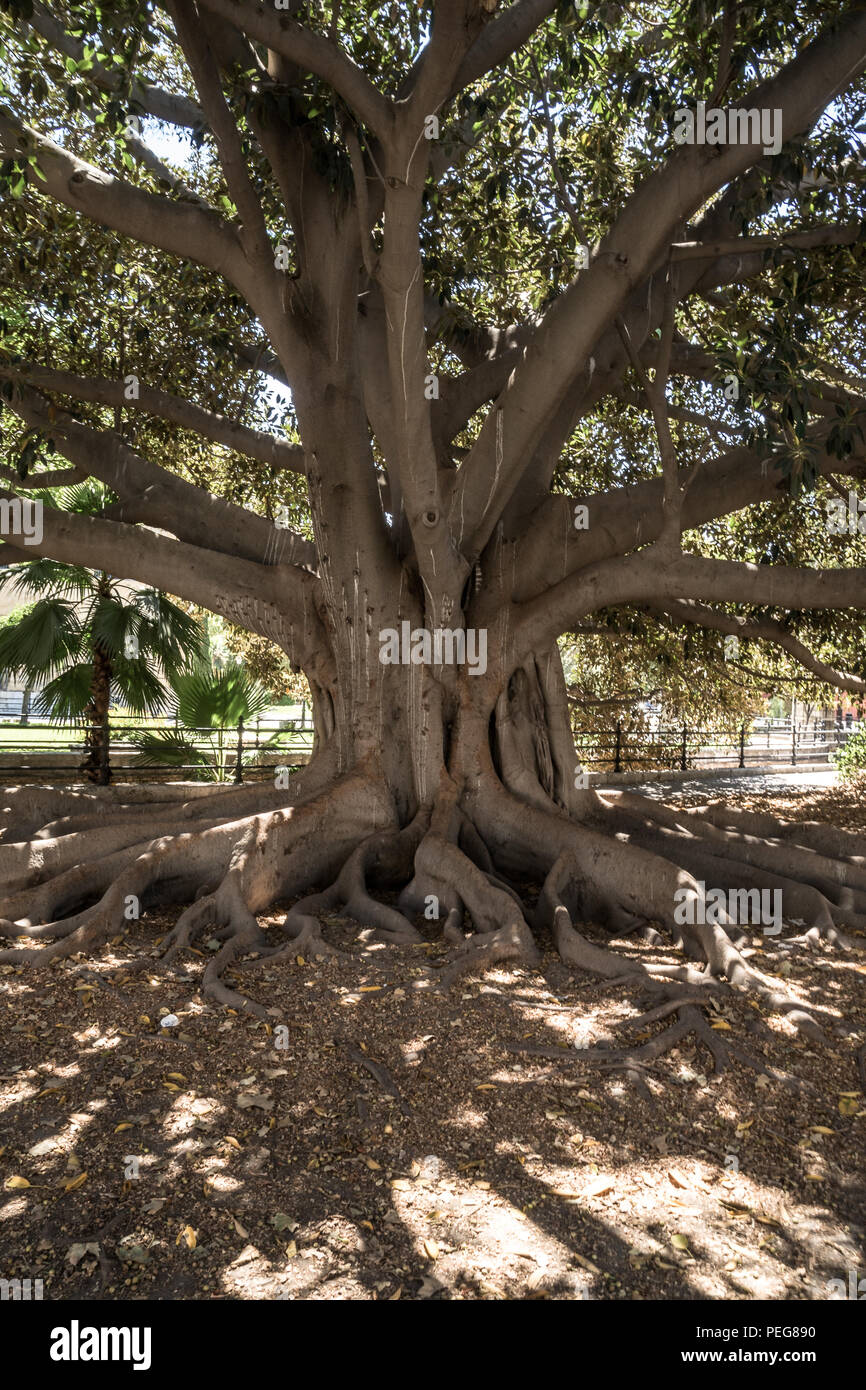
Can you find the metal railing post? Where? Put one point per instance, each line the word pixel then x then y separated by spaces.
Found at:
pixel 617 756
pixel 683 763
pixel 239 764
pixel 742 745
pixel 104 745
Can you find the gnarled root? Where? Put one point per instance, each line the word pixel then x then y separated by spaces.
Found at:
pixel 564 894
pixel 829 840
pixel 251 861
pixel 502 931
pixel 29 814
pixel 230 856
pixel 634 1062
pixel 824 893
pixel 633 878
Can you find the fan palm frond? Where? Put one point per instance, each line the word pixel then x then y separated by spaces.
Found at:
pixel 171 748
pixel 139 686
pixel 68 694
pixel 211 699
pixel 42 641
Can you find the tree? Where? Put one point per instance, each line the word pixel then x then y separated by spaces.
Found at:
pixel 207 702
pixel 488 254
pixel 85 635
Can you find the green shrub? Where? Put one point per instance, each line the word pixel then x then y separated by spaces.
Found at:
pixel 850 759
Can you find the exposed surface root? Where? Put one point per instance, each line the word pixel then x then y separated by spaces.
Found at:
pixel 458 862
pixel 232 870
pixel 625 874
pixel 799 902
pixel 47 813
pixel 502 931
pixel 564 882
pixel 839 883
pixel 690 1021
pixel 829 840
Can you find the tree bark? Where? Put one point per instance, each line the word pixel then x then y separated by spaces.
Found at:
pixel 95 766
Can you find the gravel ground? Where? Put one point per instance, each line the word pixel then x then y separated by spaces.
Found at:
pixel 383 1141
pixel 728 786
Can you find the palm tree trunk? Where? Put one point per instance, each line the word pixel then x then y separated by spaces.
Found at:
pixel 96 767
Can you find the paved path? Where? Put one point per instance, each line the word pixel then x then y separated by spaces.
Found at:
pixel 724 784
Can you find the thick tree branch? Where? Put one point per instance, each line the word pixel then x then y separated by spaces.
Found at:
pixel 401 277
pixel 193 40
pixel 146 157
pixel 491 355
pixel 624 518
pixel 256 444
pixel 313 53
pixel 635 244
pixel 274 601
pixel 647 577
pixel 500 38
pixel 763 630
pixel 848 234
pixel 51 477
pixel 180 228
pixel 164 106
pixel 151 494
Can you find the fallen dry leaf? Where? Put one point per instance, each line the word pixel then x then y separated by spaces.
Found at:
pixel 599 1186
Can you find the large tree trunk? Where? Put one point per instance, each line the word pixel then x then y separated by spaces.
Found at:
pixel 433 795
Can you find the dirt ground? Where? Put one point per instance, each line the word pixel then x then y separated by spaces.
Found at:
pixel 380 1140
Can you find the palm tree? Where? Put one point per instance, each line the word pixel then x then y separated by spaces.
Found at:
pixel 85 634
pixel 208 701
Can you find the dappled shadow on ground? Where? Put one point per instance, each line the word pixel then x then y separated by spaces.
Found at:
pixel 383 1140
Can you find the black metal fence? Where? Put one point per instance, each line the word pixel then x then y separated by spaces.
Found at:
pixel 34 750
pixel 682 748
